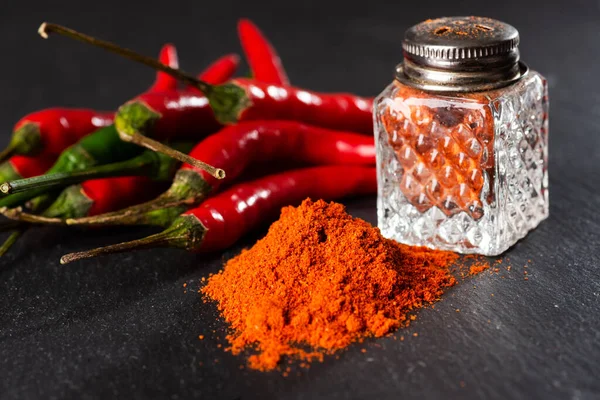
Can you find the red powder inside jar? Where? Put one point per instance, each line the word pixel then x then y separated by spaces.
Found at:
pixel 444 145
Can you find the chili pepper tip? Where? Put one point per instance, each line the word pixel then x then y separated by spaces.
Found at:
pixel 5 188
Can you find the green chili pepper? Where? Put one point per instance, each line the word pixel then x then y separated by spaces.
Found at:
pixel 73 202
pixel 149 163
pixel 100 147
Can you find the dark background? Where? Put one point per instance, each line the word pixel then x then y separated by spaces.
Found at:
pixel 123 327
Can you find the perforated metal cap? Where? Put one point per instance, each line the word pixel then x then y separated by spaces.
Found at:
pixel 461 54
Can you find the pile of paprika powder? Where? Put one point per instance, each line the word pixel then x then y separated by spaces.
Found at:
pixel 321 279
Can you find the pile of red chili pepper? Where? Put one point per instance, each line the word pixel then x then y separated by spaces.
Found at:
pixel 207 158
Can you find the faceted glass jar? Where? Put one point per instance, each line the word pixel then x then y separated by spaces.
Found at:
pixel 466 172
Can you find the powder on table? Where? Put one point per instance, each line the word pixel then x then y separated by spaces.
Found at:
pixel 321 279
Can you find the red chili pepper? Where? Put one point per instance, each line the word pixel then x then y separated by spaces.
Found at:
pixel 57 128
pixel 94 197
pixel 342 111
pixel 262 58
pixel 180 110
pixel 25 167
pixel 235 148
pixel 176 113
pixel 221 70
pixel 40 137
pixel 111 194
pixel 184 114
pixel 226 217
pixel 222 220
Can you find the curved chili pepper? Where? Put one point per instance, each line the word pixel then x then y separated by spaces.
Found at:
pixel 341 111
pixel 40 137
pixel 235 148
pixel 262 58
pixel 151 112
pixel 222 220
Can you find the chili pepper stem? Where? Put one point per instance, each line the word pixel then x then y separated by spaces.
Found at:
pixel 154 145
pixel 134 117
pixel 72 202
pixel 8 172
pixel 17 214
pixel 46 28
pixel 227 100
pixel 185 232
pixel 10 241
pixel 142 165
pixel 188 189
pixel 25 140
pixel 157 217
pixel 8 152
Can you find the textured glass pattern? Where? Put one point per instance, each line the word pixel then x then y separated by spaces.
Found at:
pixel 467 174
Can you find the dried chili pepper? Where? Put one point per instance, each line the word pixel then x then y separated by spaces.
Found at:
pixel 40 137
pixel 235 148
pixel 89 195
pixel 222 220
pixel 237 100
pixel 262 58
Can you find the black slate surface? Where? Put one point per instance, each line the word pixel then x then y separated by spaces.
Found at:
pixel 123 327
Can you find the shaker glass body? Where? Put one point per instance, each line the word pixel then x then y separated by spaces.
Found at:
pixel 466 172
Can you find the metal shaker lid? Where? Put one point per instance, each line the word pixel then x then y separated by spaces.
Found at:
pixel 460 54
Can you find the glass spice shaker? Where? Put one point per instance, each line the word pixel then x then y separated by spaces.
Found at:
pixel 462 139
